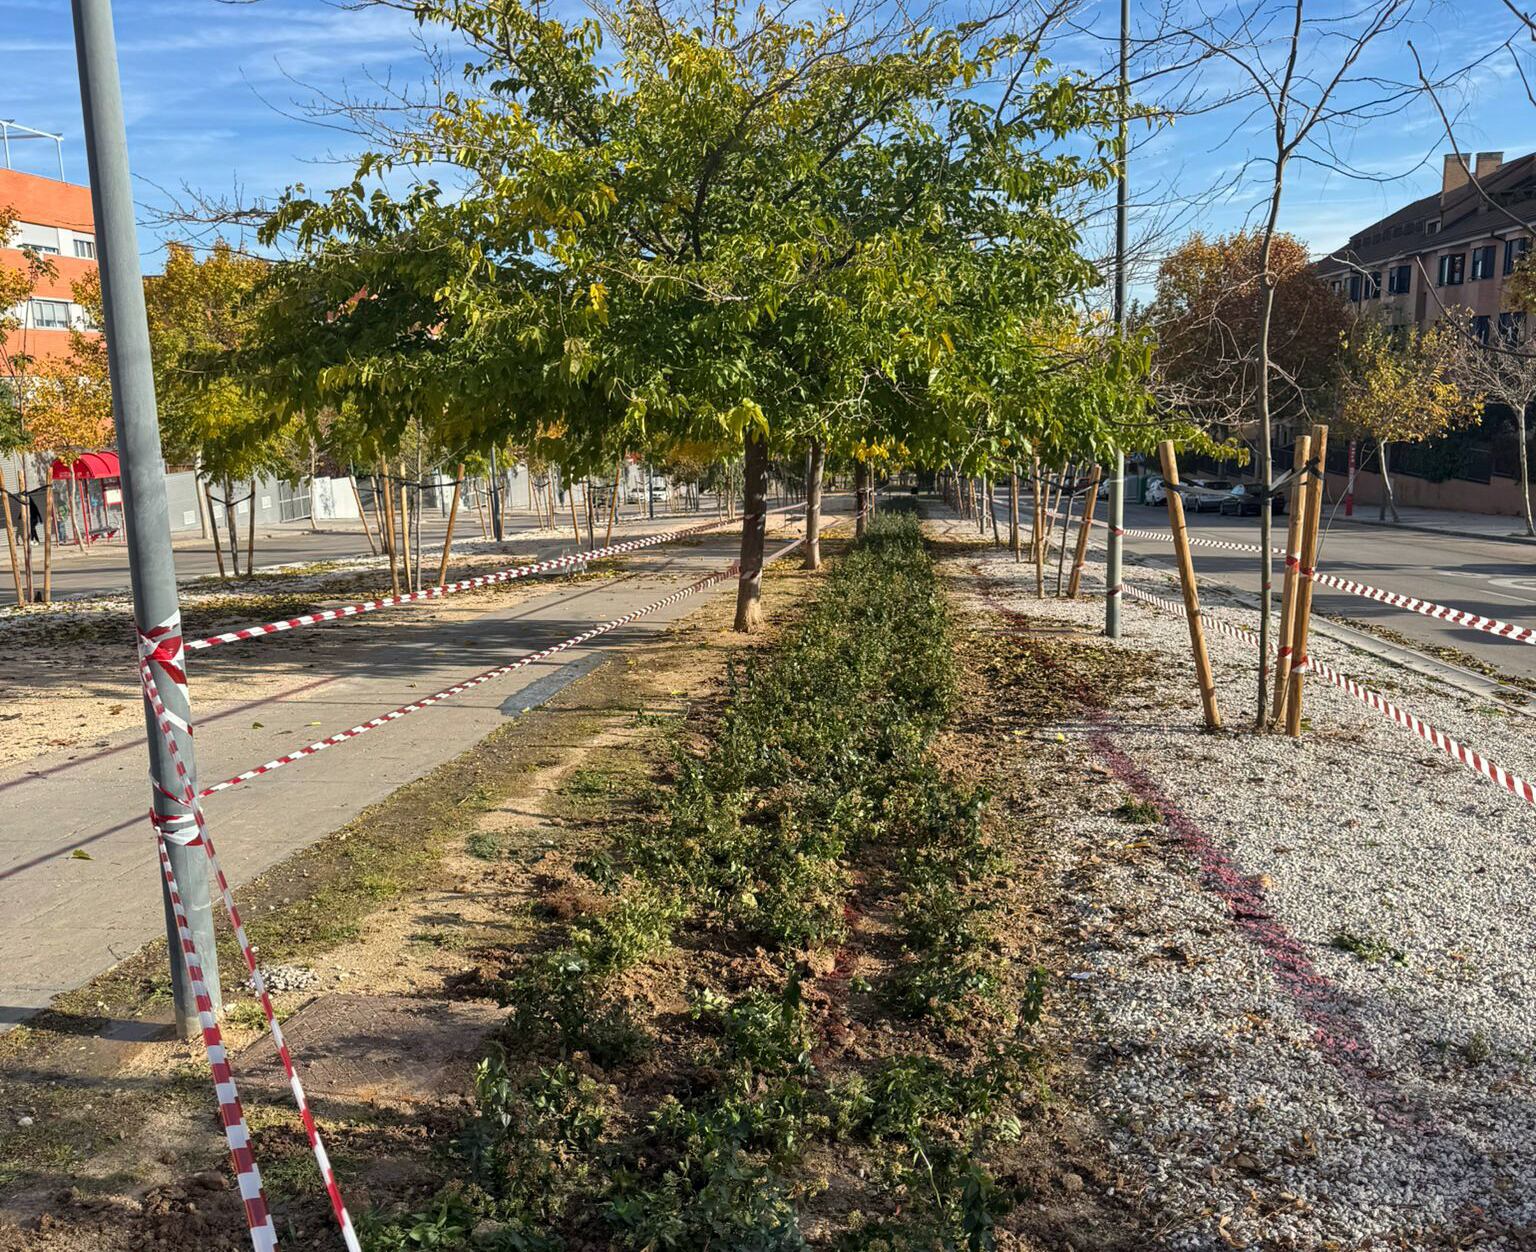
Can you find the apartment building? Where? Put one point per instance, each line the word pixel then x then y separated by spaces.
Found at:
pixel 54 218
pixel 1453 249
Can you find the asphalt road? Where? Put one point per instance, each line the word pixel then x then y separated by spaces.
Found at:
pixel 103 568
pixel 1489 576
pixel 64 919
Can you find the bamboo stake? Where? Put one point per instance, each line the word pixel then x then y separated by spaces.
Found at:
pixel 1303 610
pixel 391 545
pixel 1288 590
pixel 357 495
pixel 1203 674
pixel 10 533
pixel 213 526
pixel 1082 532
pixel 1013 512
pixel 453 513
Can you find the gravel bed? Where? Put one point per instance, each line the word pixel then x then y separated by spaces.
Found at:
pixel 1386 1103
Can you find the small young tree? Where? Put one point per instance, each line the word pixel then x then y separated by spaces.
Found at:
pixel 1504 369
pixel 1401 385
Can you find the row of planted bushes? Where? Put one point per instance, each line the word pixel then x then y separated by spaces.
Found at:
pixel 817 771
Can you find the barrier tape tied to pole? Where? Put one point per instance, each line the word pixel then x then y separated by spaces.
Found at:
pixel 161 654
pixel 1452 747
pixel 467 584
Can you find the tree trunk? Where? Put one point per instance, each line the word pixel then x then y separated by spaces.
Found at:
pixel 613 508
pixel 74 521
pixel 453 514
pixel 754 530
pixel 405 531
pixel 250 535
pixel 1388 496
pixel 1525 473
pixel 314 465
pixel 391 541
pixel 10 533
pixel 1066 521
pixel 860 497
pixel 232 524
pixel 213 527
pixel 26 496
pixel 1013 513
pixel 815 462
pixel 575 525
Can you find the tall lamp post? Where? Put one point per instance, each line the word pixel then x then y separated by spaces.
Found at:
pixel 146 519
pixel 1113 593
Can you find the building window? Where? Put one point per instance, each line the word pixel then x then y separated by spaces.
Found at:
pixel 1338 286
pixel 1511 327
pixel 1399 280
pixel 86 248
pixel 1354 288
pixel 1482 262
pixel 1453 269
pixel 45 249
pixel 1514 253
pixel 1432 227
pixel 1480 328
pixel 50 314
pixel 1373 286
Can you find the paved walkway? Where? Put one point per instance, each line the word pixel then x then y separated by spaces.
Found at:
pixel 64 920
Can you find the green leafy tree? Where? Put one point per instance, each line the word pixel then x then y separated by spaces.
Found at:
pixel 744 232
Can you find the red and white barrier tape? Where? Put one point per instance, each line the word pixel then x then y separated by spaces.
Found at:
pixel 467 584
pixel 160 649
pixel 394 715
pixel 1511 783
pixel 1413 604
pixel 258 1218
pixel 1469 757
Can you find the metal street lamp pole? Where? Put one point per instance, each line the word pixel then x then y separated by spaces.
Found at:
pixel 146 519
pixel 1114 593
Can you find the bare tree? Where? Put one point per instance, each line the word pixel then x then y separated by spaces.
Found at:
pixel 1505 377
pixel 1306 68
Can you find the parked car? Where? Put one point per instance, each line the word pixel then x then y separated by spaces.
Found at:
pixel 1246 500
pixel 1157 491
pixel 1205 495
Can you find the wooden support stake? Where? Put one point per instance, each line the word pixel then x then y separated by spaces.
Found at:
pixel 1299 486
pixel 362 512
pixel 48 541
pixel 1203 674
pixel 453 513
pixel 1303 611
pixel 1082 532
pixel 10 533
pixel 1037 535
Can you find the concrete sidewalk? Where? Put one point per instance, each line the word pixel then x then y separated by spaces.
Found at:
pixel 65 919
pixel 1434 522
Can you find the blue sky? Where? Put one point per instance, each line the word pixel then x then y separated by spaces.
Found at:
pixel 207 86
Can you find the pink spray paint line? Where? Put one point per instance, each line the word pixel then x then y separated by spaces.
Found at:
pixel 1321 1003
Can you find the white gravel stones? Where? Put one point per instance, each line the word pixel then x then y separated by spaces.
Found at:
pixel 1390 1103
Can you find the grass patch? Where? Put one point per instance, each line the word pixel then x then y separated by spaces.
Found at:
pixel 1368 949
